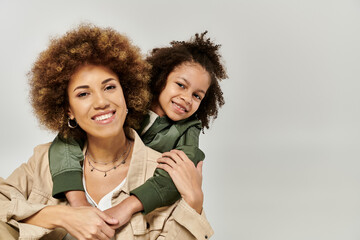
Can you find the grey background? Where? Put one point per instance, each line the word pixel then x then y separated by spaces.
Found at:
pixel 283 156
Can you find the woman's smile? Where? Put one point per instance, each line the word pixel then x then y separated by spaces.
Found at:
pixel 104 118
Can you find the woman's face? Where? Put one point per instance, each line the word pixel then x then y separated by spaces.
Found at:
pixel 97 101
pixel 185 88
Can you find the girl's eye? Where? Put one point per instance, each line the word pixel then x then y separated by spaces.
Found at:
pixel 197 96
pixel 110 87
pixel 180 85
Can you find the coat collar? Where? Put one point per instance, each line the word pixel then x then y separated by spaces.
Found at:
pixel 136 175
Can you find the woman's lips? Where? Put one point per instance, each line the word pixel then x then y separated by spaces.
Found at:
pixel 104 117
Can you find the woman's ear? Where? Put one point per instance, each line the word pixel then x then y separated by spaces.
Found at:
pixel 70 114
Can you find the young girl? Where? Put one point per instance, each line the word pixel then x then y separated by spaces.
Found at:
pixel 186 96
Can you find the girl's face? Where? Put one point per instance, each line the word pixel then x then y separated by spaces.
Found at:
pixel 185 87
pixel 97 101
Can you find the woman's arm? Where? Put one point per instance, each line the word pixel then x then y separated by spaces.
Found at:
pixel 80 222
pixel 25 197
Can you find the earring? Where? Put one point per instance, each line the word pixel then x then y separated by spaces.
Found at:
pixel 72 123
pixel 127 111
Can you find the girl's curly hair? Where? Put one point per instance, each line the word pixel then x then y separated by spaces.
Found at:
pixel 198 49
pixel 87 44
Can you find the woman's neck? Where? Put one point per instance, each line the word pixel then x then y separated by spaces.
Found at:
pixel 107 149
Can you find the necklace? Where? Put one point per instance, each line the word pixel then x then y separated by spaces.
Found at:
pixel 125 154
pixel 106 163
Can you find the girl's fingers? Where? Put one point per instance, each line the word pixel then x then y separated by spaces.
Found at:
pixel 167 161
pixel 106 229
pixel 103 236
pixel 181 154
pixel 172 155
pixel 107 232
pixel 199 167
pixel 108 219
pixel 165 167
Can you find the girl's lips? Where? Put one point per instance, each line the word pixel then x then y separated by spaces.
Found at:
pixel 179 107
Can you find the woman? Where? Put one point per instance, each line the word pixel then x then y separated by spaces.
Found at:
pixel 91 84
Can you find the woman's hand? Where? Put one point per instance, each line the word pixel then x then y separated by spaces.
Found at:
pixel 186 177
pixel 81 222
pixel 89 223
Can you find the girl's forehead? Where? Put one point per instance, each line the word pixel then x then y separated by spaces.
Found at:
pixel 189 67
pixel 193 74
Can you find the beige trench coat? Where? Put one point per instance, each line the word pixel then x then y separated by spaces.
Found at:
pixel 28 189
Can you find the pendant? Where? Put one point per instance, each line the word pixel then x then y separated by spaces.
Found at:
pixel 105 174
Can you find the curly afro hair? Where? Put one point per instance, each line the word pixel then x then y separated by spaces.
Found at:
pixel 87 44
pixel 198 49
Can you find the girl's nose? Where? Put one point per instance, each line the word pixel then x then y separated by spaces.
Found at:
pixel 187 97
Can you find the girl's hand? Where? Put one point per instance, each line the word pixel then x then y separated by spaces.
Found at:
pixel 124 210
pixel 186 177
pixel 77 199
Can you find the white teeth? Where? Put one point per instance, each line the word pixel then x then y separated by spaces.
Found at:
pixel 103 117
pixel 178 106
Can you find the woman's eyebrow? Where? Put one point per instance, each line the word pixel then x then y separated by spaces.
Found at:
pixel 80 87
pixel 108 80
pixel 87 86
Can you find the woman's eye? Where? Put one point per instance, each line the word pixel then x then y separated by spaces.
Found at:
pixel 180 85
pixel 110 87
pixel 83 94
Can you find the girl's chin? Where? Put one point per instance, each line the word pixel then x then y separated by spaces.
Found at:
pixel 176 117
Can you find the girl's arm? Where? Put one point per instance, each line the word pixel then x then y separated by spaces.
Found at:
pixel 159 190
pixel 65 156
pixel 186 177
pixel 188 220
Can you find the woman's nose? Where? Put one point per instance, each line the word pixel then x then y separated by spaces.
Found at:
pixel 100 101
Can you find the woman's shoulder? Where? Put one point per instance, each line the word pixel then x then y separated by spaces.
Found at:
pixel 42 148
pixel 152 155
pixel 40 154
